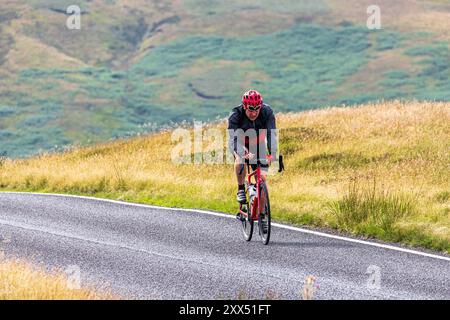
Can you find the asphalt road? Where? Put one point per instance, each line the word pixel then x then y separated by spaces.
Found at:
pixel 158 253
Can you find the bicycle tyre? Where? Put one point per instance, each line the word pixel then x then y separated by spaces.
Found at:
pixel 247 224
pixel 264 221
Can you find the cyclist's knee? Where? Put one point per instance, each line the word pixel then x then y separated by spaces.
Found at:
pixel 263 175
pixel 238 160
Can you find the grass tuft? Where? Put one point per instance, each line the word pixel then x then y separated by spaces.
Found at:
pixel 443 196
pixel 371 210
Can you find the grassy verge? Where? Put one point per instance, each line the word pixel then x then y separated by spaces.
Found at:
pixel 371 211
pixel 378 170
pixel 22 281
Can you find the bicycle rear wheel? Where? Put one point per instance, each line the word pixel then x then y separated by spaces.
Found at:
pixel 264 220
pixel 247 224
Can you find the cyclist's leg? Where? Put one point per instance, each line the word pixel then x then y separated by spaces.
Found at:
pixel 239 168
pixel 262 153
pixel 264 171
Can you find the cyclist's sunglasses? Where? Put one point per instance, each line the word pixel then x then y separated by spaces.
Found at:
pixel 253 108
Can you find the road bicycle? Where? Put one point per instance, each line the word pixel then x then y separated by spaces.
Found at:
pixel 258 206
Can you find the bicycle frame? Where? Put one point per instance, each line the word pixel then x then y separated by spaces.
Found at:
pixel 251 212
pixel 258 180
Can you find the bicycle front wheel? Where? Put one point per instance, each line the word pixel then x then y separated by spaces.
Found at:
pixel 247 224
pixel 264 220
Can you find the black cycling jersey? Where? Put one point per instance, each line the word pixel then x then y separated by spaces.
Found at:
pixel 264 126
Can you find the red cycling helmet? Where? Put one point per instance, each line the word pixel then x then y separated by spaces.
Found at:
pixel 251 99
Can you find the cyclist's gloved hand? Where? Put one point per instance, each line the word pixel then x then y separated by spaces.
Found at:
pixel 249 155
pixel 269 159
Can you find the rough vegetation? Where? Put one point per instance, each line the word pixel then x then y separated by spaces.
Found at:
pixel 377 170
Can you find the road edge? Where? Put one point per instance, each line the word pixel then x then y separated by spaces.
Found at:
pixel 229 216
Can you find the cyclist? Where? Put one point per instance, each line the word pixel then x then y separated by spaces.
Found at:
pixel 255 141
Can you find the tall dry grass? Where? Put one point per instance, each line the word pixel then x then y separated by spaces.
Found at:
pixel 371 210
pixel 20 280
pixel 404 146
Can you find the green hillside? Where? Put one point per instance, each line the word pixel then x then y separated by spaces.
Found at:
pixel 137 65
